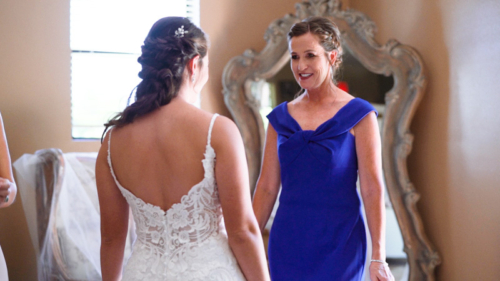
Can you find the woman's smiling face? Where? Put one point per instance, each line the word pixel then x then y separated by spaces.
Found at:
pixel 310 63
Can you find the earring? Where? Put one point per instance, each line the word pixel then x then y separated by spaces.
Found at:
pixel 192 79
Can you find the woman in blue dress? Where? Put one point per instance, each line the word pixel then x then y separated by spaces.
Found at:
pixel 316 146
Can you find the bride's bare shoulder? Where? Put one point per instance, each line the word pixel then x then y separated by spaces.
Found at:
pixel 225 133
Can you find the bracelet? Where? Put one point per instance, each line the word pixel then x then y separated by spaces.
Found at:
pixel 380 261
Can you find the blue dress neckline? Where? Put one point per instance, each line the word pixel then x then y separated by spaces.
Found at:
pixel 322 124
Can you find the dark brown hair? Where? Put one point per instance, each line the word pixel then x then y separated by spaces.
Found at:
pixel 327 32
pixel 163 59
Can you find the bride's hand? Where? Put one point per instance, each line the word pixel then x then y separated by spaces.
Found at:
pixel 380 272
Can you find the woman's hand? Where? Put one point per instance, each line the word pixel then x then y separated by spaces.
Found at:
pixel 5 189
pixel 8 188
pixel 380 272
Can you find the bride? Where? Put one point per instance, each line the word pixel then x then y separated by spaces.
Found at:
pixel 181 170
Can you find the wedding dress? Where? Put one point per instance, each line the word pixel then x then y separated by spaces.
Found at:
pixel 186 242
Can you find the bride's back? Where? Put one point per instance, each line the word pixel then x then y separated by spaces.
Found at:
pixel 158 157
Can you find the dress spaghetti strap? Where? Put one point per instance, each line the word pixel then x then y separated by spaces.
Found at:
pixel 210 128
pixel 109 159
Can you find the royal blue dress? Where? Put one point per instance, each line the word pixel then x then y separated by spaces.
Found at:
pixel 318 232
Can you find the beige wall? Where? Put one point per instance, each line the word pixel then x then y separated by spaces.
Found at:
pixel 454 163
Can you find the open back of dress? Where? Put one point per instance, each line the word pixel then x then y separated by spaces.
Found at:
pixel 187 241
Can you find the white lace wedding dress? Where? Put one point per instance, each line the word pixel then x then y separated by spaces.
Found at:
pixel 186 242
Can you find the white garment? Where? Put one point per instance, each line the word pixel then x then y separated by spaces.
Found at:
pixel 69 249
pixel 189 240
pixel 3 267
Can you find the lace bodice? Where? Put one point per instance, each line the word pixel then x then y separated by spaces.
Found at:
pixel 187 241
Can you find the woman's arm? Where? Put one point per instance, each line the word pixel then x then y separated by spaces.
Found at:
pixel 114 217
pixel 368 149
pixel 7 185
pixel 268 184
pixel 231 173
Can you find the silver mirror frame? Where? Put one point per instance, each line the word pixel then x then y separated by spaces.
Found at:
pixel 241 94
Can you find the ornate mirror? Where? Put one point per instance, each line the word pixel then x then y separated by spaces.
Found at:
pixel 255 82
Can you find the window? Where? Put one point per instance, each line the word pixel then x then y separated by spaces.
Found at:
pixel 105 40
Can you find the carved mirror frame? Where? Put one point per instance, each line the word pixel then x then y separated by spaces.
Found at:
pixel 241 94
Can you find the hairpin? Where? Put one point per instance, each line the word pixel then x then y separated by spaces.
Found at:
pixel 179 33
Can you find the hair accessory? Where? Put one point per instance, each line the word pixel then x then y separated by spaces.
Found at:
pixel 179 33
pixel 6 199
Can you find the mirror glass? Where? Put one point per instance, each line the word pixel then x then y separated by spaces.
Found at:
pixel 355 79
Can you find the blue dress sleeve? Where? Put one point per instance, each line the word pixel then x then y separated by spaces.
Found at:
pixel 355 112
pixel 277 117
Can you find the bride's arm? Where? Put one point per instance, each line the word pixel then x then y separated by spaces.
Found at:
pixel 231 174
pixel 114 218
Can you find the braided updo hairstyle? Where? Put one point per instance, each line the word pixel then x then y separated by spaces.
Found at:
pixel 327 32
pixel 164 57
